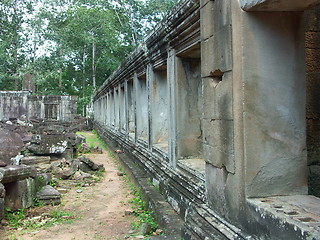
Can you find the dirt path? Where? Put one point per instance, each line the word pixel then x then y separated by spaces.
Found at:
pixel 99 209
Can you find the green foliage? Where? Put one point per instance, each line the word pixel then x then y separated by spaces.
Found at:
pixel 37 203
pixel 71 47
pixel 139 208
pixel 19 219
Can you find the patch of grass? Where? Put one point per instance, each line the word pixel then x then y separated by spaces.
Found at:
pixel 19 219
pixel 93 139
pixel 139 210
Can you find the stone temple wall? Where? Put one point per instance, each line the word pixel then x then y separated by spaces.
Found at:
pixel 313 98
pixel 213 107
pixel 15 104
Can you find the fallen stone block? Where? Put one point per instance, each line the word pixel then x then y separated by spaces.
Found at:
pixel 31 160
pixel 85 148
pixel 75 164
pixel 97 150
pixel 20 194
pixel 13 173
pixel 90 163
pixel 84 167
pixel 64 173
pixel 49 144
pixel 49 195
pixel 10 145
pixel 2 191
pixel 1 208
pixel 2 164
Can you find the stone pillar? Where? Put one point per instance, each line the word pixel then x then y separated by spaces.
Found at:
pixel 172 150
pixel 313 98
pixel 126 103
pixel 135 87
pixel 150 79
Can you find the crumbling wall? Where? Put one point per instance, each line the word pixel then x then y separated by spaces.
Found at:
pixel 13 104
pixel 313 98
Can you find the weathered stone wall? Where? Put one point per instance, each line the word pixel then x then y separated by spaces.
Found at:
pixel 61 108
pixel 22 103
pixel 313 98
pixel 213 107
pixel 13 104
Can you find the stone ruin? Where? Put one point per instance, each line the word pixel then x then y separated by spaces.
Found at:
pixel 31 152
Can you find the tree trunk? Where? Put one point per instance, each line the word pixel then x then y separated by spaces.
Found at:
pixel 93 65
pixel 84 68
pixel 60 70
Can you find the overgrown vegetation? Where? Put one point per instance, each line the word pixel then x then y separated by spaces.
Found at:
pixel 139 210
pixel 93 140
pixel 71 46
pixel 139 207
pixel 20 219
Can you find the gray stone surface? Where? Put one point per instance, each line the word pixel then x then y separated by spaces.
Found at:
pixel 12 173
pixel 49 144
pixel 10 145
pixel 1 208
pixel 49 195
pixel 32 160
pixel 20 194
pixel 64 174
pixel 280 5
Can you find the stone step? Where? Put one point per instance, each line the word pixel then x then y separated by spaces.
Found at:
pixel 13 173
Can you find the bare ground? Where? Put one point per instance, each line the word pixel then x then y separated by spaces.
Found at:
pixel 99 210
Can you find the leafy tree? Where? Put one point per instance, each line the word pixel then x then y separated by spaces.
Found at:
pixel 71 46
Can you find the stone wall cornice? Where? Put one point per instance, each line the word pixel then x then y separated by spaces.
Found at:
pixel 178 29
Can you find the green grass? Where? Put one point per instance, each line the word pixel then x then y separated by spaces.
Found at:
pixel 93 139
pixel 139 210
pixel 19 220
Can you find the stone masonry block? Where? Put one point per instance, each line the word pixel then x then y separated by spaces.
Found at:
pixel 313 19
pixel 312 60
pixel 2 191
pixel 217 96
pixel 216 53
pixel 215 185
pixel 218 143
pixel 314 180
pixel 12 173
pixel 313 141
pixel 313 39
pixel 204 2
pixel 313 97
pixel 20 194
pixel 1 208
pixel 215 16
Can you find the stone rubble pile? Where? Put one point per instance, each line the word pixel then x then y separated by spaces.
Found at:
pixel 32 153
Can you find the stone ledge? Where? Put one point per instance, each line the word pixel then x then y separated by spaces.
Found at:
pixel 13 173
pixel 298 215
pixel 280 5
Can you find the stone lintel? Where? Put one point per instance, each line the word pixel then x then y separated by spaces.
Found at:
pixel 13 173
pixel 280 5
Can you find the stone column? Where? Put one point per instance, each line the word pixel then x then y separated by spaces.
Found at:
pixel 172 150
pixel 135 86
pixel 150 79
pixel 126 103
